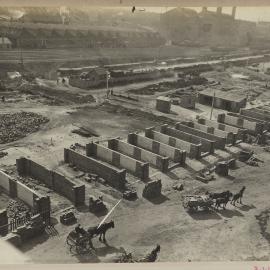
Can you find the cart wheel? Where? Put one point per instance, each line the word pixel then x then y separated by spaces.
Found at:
pixel 83 247
pixel 69 242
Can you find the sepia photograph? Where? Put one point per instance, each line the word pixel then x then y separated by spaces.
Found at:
pixel 134 134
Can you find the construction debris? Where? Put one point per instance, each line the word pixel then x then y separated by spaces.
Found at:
pixel 130 195
pixel 3 154
pixel 205 177
pixel 16 209
pixel 178 187
pixel 68 218
pixel 96 205
pixel 18 125
pixel 128 257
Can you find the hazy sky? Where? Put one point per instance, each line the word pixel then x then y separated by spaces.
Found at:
pixel 244 13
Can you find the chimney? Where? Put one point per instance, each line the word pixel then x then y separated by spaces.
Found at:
pixel 219 10
pixel 233 12
pixel 204 9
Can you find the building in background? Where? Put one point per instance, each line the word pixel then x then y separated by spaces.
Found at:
pixel 206 28
pixel 222 100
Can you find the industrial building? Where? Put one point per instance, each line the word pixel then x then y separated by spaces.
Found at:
pixel 187 27
pixel 222 100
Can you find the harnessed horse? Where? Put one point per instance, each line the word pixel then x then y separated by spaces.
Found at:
pixel 238 196
pixel 101 231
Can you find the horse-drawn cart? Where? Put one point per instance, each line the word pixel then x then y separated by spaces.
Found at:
pixel 197 202
pixel 81 239
pixel 81 243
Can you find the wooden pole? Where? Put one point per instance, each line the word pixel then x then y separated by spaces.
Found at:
pixel 213 101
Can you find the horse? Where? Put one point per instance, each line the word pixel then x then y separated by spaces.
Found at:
pixel 238 196
pixel 101 230
pixel 223 201
pixel 215 196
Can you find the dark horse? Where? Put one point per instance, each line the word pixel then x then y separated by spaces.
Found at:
pixel 221 195
pixel 238 196
pixel 222 202
pixel 101 230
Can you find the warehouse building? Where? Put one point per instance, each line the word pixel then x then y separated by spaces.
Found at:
pixel 222 100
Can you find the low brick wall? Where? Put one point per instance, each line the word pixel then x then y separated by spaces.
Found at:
pixel 16 189
pixel 138 168
pixel 54 180
pixel 192 150
pixel 115 177
pixel 159 148
pixel 252 127
pixel 219 142
pixel 140 154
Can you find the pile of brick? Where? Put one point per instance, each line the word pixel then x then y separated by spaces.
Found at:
pixel 18 125
pixel 16 209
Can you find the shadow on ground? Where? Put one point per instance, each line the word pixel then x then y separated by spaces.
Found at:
pixel 204 215
pixel 158 200
pixel 34 242
pixel 228 213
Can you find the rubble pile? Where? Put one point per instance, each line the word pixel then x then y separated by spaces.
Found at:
pixel 16 209
pixel 3 154
pixel 18 125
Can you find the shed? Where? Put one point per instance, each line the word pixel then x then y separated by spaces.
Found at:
pixel 229 101
pixel 163 104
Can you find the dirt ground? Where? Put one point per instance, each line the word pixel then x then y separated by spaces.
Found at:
pixel 237 233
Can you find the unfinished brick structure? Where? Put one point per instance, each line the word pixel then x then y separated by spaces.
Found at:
pixel 135 152
pixel 230 137
pixel 193 150
pixel 251 127
pixel 54 180
pixel 219 142
pixel 115 177
pixel 15 189
pixel 207 145
pixel 138 168
pixel 239 132
pixel 157 147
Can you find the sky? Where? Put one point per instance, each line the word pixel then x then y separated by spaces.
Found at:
pixel 244 13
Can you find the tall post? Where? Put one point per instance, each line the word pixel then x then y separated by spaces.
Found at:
pixel 21 53
pixel 213 101
pixel 108 76
pixel 107 81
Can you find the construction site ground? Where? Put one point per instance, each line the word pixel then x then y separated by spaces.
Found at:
pixel 237 233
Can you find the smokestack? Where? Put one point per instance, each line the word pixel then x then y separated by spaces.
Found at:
pixel 233 12
pixel 219 10
pixel 204 9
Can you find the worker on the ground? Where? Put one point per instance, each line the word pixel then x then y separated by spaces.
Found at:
pixel 3 99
